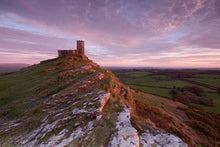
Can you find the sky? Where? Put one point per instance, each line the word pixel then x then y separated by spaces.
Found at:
pixel 133 33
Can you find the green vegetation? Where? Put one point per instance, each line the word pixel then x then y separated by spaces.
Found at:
pixel 18 85
pixel 209 76
pixel 156 115
pixel 59 96
pixel 161 82
pixel 157 91
pixel 25 89
pixel 171 116
pixel 167 84
pixel 49 92
pixel 210 81
pixel 17 89
pixel 191 95
pixel 138 74
pixel 161 77
pixel 205 124
pixel 216 102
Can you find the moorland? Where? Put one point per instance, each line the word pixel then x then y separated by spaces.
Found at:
pixel 72 101
pixel 166 83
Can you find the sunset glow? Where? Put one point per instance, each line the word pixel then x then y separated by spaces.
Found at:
pixel 134 33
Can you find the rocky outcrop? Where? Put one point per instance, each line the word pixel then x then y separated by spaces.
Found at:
pixel 43 136
pixel 103 99
pixel 126 135
pixel 158 138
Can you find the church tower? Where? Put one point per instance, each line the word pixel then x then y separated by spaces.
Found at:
pixel 80 47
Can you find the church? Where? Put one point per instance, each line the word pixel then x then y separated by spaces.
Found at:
pixel 78 51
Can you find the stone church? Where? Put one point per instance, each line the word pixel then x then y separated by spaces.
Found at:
pixel 78 51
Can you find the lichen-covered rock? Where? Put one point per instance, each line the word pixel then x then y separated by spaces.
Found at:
pixel 126 135
pixel 159 138
pixel 44 136
pixel 102 100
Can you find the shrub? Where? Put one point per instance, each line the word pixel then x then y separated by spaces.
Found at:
pixel 199 91
pixel 191 94
pixel 206 124
pixel 180 134
pixel 154 114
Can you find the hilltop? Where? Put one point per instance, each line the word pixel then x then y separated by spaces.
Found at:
pixel 71 101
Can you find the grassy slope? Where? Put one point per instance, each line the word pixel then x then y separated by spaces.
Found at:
pixel 32 93
pixel 23 89
pixel 19 87
pixel 192 125
pixel 162 84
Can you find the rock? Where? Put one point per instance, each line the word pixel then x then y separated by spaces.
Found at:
pixel 126 136
pixel 159 138
pixel 103 100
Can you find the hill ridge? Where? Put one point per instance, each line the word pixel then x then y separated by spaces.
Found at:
pixel 71 101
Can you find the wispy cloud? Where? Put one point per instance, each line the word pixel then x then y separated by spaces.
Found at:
pixel 137 33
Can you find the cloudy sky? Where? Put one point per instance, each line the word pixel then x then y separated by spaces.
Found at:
pixel 149 33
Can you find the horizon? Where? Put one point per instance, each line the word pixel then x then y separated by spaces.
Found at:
pixel 157 34
pixel 136 67
pixel 120 67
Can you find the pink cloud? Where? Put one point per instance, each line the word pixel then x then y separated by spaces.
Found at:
pixel 115 29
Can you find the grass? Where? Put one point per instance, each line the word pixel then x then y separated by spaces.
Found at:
pixel 161 77
pixel 27 94
pixel 166 93
pixel 209 76
pixel 24 89
pixel 152 100
pixel 155 108
pixel 22 84
pixel 210 81
pixel 146 79
pixel 167 84
pixel 138 74
pixel 137 80
pixel 162 83
pixel 172 83
pixel 216 102
pixel 158 91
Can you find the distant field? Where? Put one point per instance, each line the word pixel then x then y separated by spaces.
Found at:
pixel 3 70
pixel 11 67
pixel 138 74
pixel 216 101
pixel 209 76
pixel 158 91
pixel 161 82
pixel 210 81
pixel 166 84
